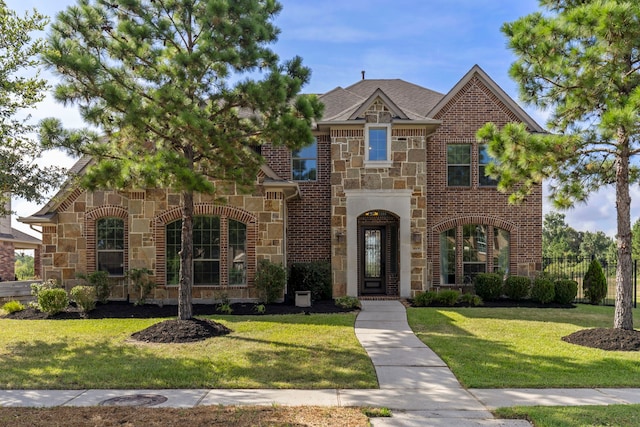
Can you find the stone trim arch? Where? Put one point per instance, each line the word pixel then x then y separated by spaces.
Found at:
pixel 90 218
pixel 207 209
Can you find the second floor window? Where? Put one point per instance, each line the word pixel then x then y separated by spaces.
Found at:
pixel 459 165
pixel 483 160
pixel 377 145
pixel 110 246
pixel 304 161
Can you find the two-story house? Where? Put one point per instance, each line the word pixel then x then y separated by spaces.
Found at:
pixel 392 192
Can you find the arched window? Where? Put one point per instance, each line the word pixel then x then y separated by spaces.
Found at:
pixel 209 251
pixel 110 246
pixel 477 255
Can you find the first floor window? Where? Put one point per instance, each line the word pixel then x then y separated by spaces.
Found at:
pixel 461 260
pixel 474 249
pixel 501 251
pixel 208 267
pixel 448 256
pixel 110 246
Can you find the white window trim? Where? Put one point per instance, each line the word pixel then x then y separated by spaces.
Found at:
pixel 377 163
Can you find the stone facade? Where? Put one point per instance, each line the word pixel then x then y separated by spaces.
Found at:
pixel 70 245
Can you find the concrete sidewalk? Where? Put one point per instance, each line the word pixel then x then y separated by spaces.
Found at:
pixel 414 383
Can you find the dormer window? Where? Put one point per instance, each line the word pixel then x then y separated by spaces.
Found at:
pixel 377 141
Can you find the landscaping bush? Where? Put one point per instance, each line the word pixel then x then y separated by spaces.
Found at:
pixel 13 306
pixel 472 300
pixel 517 287
pixel 447 297
pixel 424 299
pixel 84 297
pixel 100 281
pixel 488 286
pixel 543 290
pixel 595 283
pixel 270 280
pixel 311 276
pixel 52 301
pixel 36 288
pixel 347 302
pixel 142 282
pixel 566 291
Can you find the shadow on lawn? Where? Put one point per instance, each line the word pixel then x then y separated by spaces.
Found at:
pixel 230 361
pixel 483 363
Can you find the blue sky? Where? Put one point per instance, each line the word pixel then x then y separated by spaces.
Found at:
pixel 431 43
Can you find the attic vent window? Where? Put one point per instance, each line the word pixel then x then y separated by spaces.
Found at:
pixel 377 145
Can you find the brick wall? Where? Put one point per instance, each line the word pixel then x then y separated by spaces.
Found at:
pixel 7 261
pixel 455 206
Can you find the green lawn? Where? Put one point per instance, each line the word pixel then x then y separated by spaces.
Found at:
pixel 576 416
pixel 291 351
pixel 521 347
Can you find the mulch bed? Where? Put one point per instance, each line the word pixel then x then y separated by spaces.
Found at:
pixel 173 330
pixel 606 339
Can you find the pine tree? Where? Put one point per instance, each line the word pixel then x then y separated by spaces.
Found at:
pixel 183 92
pixel 580 62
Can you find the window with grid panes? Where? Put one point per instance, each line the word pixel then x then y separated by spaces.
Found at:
pixel 459 165
pixel 110 246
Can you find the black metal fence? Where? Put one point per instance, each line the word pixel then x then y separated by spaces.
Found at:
pixel 575 268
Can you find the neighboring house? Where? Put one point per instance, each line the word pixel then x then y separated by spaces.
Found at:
pixel 392 193
pixel 12 240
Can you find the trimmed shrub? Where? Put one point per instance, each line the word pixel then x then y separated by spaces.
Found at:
pixel 566 291
pixel 84 297
pixel 472 300
pixel 270 280
pixel 543 290
pixel 142 283
pixel 100 281
pixel 36 288
pixel 311 276
pixel 595 283
pixel 424 299
pixel 488 286
pixel 13 306
pixel 347 302
pixel 517 287
pixel 52 301
pixel 447 297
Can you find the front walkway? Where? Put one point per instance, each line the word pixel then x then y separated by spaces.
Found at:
pixel 414 382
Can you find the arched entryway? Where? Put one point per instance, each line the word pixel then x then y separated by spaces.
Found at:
pixel 378 253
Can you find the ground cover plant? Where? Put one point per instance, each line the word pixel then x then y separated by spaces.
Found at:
pixel 263 351
pixel 575 416
pixel 488 347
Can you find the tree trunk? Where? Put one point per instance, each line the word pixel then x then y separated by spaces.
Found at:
pixel 185 284
pixel 623 318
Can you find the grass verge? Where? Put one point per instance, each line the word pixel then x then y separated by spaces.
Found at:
pixel 203 416
pixel 522 347
pixel 575 416
pixel 292 351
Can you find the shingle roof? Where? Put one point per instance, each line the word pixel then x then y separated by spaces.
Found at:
pixel 415 101
pixel 19 237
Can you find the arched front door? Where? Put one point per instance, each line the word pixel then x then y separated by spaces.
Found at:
pixel 378 253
